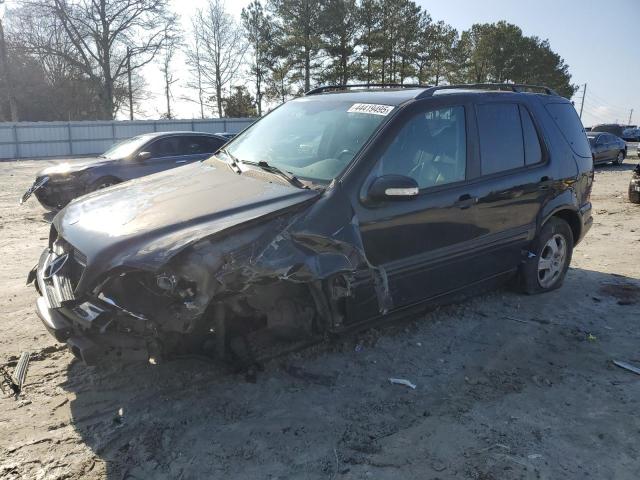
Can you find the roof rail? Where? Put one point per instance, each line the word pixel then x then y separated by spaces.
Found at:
pixel 513 87
pixel 326 88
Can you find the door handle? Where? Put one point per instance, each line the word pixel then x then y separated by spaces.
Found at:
pixel 465 201
pixel 181 161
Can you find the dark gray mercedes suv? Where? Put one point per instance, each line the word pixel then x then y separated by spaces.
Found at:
pixel 339 208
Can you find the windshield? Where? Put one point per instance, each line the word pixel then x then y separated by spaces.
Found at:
pixel 311 138
pixel 126 147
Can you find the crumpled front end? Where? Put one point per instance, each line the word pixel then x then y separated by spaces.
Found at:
pixel 280 279
pixel 93 327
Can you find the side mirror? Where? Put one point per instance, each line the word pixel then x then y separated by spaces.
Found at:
pixel 142 156
pixel 393 187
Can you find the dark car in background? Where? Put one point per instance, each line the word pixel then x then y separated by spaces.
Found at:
pixel 629 133
pixel 607 148
pixel 56 186
pixel 337 209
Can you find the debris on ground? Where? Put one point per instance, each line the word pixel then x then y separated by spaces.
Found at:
pixel 15 380
pixel 627 366
pixel 402 381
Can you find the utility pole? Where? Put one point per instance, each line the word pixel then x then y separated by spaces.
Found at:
pixel 630 113
pixel 584 93
pixel 129 79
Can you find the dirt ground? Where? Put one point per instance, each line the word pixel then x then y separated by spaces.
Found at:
pixel 508 386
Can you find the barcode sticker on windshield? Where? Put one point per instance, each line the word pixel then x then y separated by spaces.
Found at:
pixel 371 108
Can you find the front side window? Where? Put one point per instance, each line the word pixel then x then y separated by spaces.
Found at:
pixel 431 148
pixel 126 147
pixel 312 138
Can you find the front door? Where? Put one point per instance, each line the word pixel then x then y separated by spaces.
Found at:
pixel 422 245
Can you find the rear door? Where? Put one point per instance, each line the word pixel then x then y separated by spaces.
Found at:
pixel 423 244
pixel 513 182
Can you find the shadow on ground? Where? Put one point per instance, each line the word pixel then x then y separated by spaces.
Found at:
pixel 508 386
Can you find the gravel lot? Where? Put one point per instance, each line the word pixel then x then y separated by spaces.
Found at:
pixel 508 386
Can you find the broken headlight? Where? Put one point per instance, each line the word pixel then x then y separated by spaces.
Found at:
pixel 175 286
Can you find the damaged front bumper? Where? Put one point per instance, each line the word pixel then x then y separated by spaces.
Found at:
pixel 38 184
pixel 93 329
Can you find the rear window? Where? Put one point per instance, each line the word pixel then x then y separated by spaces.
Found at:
pixel 566 118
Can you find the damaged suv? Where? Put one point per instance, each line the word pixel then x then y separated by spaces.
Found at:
pixel 337 209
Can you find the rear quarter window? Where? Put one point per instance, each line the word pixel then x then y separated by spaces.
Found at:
pixel 568 122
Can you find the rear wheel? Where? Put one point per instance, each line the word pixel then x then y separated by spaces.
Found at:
pixel 553 248
pixel 619 158
pixel 634 195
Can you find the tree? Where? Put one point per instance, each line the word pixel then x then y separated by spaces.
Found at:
pixel 369 14
pixel 299 25
pixel 499 52
pixel 6 77
pixel 222 49
pixel 195 63
pixel 239 104
pixel 171 45
pixel 257 25
pixel 340 28
pixel 98 34
pixel 441 39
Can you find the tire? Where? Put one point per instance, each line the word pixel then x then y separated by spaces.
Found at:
pixel 634 196
pixel 534 278
pixel 619 159
pixel 103 182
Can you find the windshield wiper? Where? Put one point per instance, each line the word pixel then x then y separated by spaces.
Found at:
pixel 234 160
pixel 291 178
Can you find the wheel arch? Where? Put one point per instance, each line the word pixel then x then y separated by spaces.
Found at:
pixel 570 216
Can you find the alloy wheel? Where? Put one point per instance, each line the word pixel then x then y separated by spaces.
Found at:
pixel 551 261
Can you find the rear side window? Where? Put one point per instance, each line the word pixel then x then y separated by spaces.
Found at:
pixel 566 118
pixel 508 138
pixel 201 144
pixel 532 150
pixel 501 143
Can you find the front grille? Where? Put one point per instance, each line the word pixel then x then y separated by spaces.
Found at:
pixel 59 284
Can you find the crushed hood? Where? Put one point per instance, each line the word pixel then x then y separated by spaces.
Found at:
pixel 144 222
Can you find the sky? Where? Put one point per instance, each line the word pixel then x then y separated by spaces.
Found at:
pixel 598 40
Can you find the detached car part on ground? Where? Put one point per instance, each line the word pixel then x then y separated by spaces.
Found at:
pixel 634 185
pixel 135 157
pixel 335 210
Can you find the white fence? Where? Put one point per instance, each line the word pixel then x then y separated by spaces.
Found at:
pixel 55 139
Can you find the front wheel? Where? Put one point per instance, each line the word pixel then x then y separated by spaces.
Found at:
pixel 619 158
pixel 101 183
pixel 553 248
